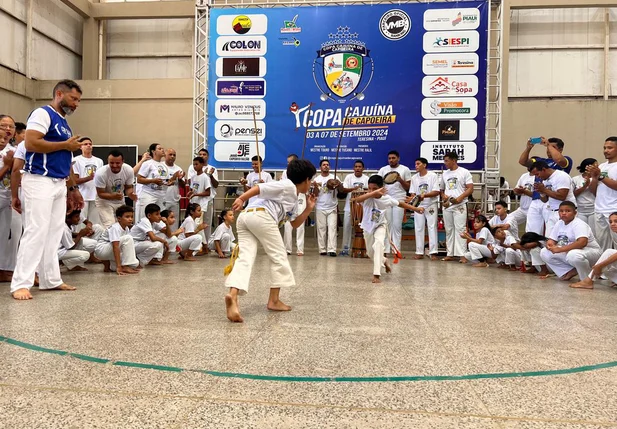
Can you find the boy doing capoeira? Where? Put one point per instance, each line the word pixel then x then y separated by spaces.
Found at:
pixel 375 224
pixel 259 223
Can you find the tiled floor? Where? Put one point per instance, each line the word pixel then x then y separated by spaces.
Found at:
pixel 425 319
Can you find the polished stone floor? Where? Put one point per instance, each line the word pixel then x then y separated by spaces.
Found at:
pixel 427 319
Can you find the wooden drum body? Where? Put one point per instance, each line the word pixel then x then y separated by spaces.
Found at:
pixel 358 247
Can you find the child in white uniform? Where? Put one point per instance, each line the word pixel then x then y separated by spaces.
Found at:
pixel 572 247
pixel 326 210
pixel 585 199
pixel 72 256
pixel 201 188
pixel 259 223
pixel 149 248
pixel 479 246
pixel 189 240
pixel 288 229
pixel 503 220
pixel 222 241
pixel 508 257
pixel 167 231
pixel 425 186
pixel 375 223
pixel 255 177
pixel 116 248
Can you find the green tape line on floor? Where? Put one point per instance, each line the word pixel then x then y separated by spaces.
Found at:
pixel 310 379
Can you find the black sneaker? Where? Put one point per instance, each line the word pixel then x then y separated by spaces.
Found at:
pixel 323 254
pixel 333 254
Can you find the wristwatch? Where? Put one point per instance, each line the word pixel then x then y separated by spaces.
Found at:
pixel 72 188
pixel 601 177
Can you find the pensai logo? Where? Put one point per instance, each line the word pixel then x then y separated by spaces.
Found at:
pixel 239 130
pixel 453 41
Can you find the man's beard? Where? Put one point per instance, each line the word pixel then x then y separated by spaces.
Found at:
pixel 66 108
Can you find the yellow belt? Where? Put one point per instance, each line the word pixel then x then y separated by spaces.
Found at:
pixel 256 209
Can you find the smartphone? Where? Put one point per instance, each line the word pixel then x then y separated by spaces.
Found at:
pixel 535 140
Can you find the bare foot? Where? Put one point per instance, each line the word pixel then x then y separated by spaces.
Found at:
pixel 233 312
pixel 64 286
pixel 503 267
pixel 190 258
pixel 36 280
pixel 78 268
pixel 586 283
pixel 155 262
pixel 22 294
pixel 418 257
pixel 449 258
pixel 544 272
pixel 6 276
pixel 531 270
pixel 480 265
pixel 376 279
pixel 130 270
pixel 434 258
pixel 463 261
pixel 278 306
pixel 614 285
pixel 106 267
pixel 388 267
pixel 167 262
pixel 569 275
pixel 300 254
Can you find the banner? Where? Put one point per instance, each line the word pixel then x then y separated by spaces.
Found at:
pixel 404 77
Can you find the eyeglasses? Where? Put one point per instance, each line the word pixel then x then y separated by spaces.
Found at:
pixel 8 127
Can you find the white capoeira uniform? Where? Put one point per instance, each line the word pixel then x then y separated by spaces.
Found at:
pixel 68 253
pixel 10 220
pixel 259 223
pixel 326 215
pixel 558 180
pixel 85 167
pixel 421 185
pixel 225 236
pixel 288 229
pixel 519 215
pixel 454 184
pixel 580 259
pixel 194 242
pixel 44 203
pixel 605 204
pixel 508 220
pixel 351 181
pixel 200 183
pixel 105 250
pixel 152 193
pixel 585 202
pixel 395 215
pixel 375 227
pixel 209 212
pixel 145 249
pixel 507 255
pixel 479 251
pixel 112 183
pixel 172 195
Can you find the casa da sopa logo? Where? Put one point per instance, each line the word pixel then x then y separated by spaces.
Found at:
pixel 343 68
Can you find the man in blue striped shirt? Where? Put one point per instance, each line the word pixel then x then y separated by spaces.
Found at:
pixel 48 186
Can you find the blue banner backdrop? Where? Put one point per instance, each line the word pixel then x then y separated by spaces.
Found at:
pixel 406 77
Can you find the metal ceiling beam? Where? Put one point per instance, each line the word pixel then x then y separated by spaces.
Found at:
pixel 559 4
pixel 82 7
pixel 143 10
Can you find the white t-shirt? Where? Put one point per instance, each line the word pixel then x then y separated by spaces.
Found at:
pixel 66 242
pixel 374 212
pixel 253 179
pixel 526 181
pixel 564 234
pixel 486 235
pixel 84 167
pixel 351 181
pixel 114 183
pixel 585 202
pixel 152 169
pixel 172 194
pixel 606 198
pixel 201 183
pixel 495 220
pixel 221 230
pixel 421 185
pixel 279 198
pixel 327 198
pixel 189 226
pixel 140 230
pixel 5 181
pixel 559 180
pixel 20 153
pixel 284 175
pixel 113 233
pixel 215 175
pixel 454 183
pixel 396 190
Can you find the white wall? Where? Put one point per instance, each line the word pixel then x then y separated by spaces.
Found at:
pixel 560 52
pixel 56 39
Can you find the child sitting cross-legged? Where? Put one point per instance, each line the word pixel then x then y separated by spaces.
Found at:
pixel 115 247
pixel 478 246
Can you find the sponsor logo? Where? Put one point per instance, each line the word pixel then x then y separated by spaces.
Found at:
pixel 455 108
pixel 242 88
pixel 237 151
pixel 241 66
pixel 447 19
pixel 449 86
pixel 239 130
pixel 292 41
pixel 434 152
pixel 449 130
pixel 240 46
pixel 454 64
pixel 395 24
pixel 291 26
pixel 241 24
pixel 239 109
pixel 451 41
pixel 342 61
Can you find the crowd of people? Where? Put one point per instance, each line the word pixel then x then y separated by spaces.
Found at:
pixel 57 210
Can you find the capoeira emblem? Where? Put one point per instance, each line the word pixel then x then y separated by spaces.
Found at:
pixel 295 110
pixel 562 240
pixel 452 183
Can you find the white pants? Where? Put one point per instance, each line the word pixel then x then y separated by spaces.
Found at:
pixel 90 212
pixel 225 242
pixel 75 258
pixel 509 257
pixel 533 256
pixel 144 200
pixel 610 271
pixel 208 217
pixel 535 217
pixel 326 224
pixel 348 232
pixel 199 221
pixel 588 218
pixel 519 216
pixel 395 217
pixel 10 234
pixel 477 252
pixel 107 212
pixel 45 210
pixel 428 221
pixel 256 227
pixel 580 259
pixel 190 243
pixel 105 252
pixel 551 218
pixel 173 206
pixel 287 236
pixel 455 219
pixel 145 251
pixel 375 248
pixel 602 231
pixel 172 242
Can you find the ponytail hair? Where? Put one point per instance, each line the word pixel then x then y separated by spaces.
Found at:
pixel 152 148
pixel 190 208
pixel 223 214
pixel 532 237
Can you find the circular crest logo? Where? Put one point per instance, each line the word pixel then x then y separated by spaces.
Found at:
pixel 227 130
pixel 241 24
pixel 395 24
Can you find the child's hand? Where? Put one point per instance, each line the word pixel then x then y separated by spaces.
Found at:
pixel 190 195
pixel 222 256
pixel 311 199
pixel 380 191
pixel 120 272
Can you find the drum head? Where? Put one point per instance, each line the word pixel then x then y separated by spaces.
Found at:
pixel 391 177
